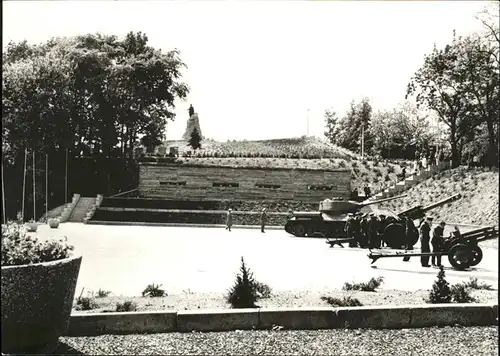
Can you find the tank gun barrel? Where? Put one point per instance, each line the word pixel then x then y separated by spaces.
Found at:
pixel 365 203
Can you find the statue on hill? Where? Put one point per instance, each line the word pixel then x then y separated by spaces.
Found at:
pixel 192 123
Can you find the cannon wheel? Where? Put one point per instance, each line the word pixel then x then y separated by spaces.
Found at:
pixel 460 256
pixel 477 255
pixel 299 230
pixel 394 235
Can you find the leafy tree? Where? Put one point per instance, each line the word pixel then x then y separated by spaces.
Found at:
pixel 195 139
pixel 331 126
pixel 347 132
pixel 442 86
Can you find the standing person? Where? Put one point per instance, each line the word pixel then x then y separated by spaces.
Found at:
pixel 348 226
pixel 355 229
pixel 424 162
pixel 403 173
pixel 364 231
pixel 437 243
pixel 456 232
pixel 425 231
pixel 229 219
pixel 410 236
pixel 263 218
pixel 372 231
pixel 367 191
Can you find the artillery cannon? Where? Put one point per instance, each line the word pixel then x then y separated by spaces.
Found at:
pixel 462 251
pixel 394 229
pixel 330 220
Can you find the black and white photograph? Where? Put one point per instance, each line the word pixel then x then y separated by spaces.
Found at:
pixel 237 177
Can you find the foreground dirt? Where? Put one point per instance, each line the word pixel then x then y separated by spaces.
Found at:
pixel 191 301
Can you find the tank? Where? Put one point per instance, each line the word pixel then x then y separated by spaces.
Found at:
pixel 330 220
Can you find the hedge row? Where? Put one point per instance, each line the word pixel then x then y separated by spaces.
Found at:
pixel 277 206
pixel 185 218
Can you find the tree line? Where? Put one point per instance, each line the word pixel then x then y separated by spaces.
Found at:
pixel 459 84
pixel 93 95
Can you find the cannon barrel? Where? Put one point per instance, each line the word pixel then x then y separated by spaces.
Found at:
pixel 365 203
pixel 418 211
pixel 441 202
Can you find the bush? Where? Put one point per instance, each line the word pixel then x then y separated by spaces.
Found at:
pixel 372 284
pixel 153 290
pixel 86 303
pixel 473 283
pixel 387 178
pixel 243 294
pixel 263 290
pixel 344 302
pixel 440 292
pixel 378 172
pixel 102 293
pixel 460 293
pixel 390 169
pixel 19 248
pixel 126 306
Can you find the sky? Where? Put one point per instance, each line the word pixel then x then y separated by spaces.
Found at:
pixel 264 69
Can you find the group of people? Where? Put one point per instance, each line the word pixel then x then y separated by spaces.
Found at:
pixel 437 241
pixel 229 219
pixel 365 230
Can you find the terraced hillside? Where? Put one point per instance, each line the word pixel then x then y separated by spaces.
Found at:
pixel 305 152
pixel 301 147
pixel 479 202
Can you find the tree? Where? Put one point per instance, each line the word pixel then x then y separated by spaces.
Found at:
pixel 347 131
pixel 243 293
pixel 195 139
pixel 439 86
pixel 440 292
pixel 400 129
pixel 331 126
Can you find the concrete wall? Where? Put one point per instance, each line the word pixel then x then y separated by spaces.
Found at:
pixel 163 180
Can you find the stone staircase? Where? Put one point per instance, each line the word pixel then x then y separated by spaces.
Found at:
pixel 82 207
pixel 400 187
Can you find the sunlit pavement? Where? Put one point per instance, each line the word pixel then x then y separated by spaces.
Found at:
pixel 124 259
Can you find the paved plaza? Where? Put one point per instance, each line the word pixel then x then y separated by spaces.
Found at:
pixel 124 259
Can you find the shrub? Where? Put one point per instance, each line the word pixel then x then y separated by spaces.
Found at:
pixel 473 283
pixel 460 293
pixel 126 306
pixel 372 284
pixel 86 303
pixel 263 290
pixel 19 248
pixel 344 302
pixel 342 164
pixel 378 172
pixel 101 293
pixel 387 178
pixel 390 169
pixel 243 294
pixel 440 292
pixel 153 290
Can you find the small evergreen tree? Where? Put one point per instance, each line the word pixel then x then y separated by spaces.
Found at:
pixel 195 139
pixel 244 293
pixel 440 292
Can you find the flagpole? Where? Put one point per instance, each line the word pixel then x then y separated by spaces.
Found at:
pixel 34 187
pixel 3 199
pixel 66 180
pixel 46 184
pixel 24 179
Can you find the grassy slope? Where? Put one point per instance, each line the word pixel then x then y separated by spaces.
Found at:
pixel 364 172
pixel 478 205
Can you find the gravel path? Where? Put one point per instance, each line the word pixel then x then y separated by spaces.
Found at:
pixel 455 341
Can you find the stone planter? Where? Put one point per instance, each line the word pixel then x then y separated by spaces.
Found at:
pixel 36 304
pixel 32 226
pixel 54 223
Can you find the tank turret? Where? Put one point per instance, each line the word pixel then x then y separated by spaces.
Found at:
pixel 349 206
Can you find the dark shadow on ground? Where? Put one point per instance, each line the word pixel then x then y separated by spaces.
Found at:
pixel 432 270
pixel 65 349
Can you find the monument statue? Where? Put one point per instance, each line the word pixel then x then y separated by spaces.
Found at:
pixel 192 122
